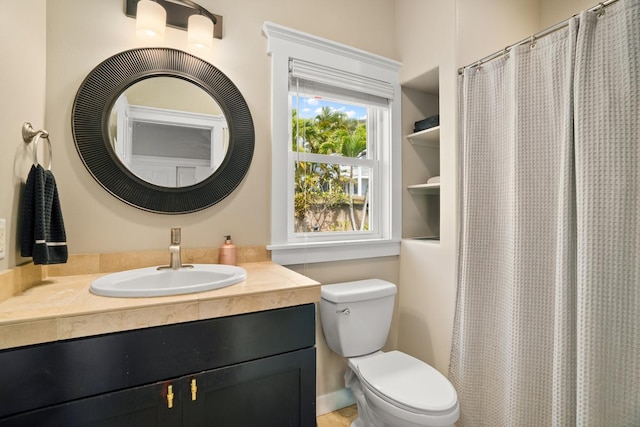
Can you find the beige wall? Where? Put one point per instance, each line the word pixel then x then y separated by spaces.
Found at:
pixel 443 35
pixel 487 26
pixel 490 25
pixel 172 94
pixel 22 88
pixel 554 11
pixel 426 40
pixel 81 34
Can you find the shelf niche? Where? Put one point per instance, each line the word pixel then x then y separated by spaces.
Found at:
pixel 421 158
pixel 429 189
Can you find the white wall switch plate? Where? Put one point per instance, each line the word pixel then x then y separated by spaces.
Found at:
pixel 3 238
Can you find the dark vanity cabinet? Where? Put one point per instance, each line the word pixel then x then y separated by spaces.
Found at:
pixel 254 369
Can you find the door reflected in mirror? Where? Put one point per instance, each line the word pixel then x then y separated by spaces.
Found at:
pixel 168 132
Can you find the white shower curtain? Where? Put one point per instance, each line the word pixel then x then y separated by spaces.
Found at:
pixel 547 327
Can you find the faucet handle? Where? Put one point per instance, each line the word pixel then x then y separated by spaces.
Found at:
pixel 176 235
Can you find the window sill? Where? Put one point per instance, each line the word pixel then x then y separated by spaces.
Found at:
pixel 308 253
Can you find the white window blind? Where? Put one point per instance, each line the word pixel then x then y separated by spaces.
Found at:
pixel 310 78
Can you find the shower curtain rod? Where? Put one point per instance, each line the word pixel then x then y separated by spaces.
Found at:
pixel 533 38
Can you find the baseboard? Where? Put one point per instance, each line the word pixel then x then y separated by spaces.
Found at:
pixel 333 401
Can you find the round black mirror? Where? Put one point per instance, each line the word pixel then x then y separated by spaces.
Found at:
pixel 183 165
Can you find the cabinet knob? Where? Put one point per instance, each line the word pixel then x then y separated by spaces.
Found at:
pixel 194 389
pixel 170 396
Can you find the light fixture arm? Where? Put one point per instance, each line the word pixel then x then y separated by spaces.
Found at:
pixel 178 13
pixel 200 9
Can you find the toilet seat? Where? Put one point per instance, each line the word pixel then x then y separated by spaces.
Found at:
pixel 407 383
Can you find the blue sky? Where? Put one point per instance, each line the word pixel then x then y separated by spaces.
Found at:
pixel 310 107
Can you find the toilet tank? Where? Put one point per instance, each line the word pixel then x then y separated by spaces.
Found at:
pixel 356 316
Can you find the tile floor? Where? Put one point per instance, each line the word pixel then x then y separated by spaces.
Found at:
pixel 340 418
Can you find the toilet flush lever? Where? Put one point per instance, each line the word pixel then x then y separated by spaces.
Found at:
pixel 346 311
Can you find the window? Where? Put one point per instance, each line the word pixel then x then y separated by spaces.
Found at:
pixel 335 166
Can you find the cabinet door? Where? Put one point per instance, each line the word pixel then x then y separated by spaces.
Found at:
pixel 136 407
pixel 275 391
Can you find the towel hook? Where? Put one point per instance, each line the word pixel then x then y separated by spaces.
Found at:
pixel 29 134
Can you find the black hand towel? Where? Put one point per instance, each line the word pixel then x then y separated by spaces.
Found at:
pixel 42 230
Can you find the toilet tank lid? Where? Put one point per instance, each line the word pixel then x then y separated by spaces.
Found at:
pixel 359 290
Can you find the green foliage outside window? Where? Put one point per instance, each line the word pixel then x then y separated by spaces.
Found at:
pixel 323 190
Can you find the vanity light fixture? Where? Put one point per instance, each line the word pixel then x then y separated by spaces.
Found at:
pixel 200 32
pixel 201 24
pixel 151 20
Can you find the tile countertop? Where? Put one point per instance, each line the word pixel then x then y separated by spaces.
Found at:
pixel 62 307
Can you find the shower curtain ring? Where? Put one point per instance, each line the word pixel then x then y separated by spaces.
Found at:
pixel 600 10
pixel 532 42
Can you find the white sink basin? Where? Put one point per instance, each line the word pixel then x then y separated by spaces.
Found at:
pixel 151 282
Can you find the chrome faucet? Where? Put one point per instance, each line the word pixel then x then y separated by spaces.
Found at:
pixel 175 251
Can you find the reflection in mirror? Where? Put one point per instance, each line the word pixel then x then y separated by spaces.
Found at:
pixel 168 132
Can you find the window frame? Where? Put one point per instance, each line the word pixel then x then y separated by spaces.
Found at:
pixel 285 44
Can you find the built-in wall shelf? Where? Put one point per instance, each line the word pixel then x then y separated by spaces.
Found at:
pixel 428 239
pixel 426 138
pixel 421 157
pixel 424 188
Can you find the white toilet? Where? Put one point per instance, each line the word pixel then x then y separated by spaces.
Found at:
pixel 392 389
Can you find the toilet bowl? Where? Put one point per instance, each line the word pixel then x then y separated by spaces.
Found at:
pixel 392 389
pixel 403 391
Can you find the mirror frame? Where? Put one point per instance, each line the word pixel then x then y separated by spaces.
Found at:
pixel 90 121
